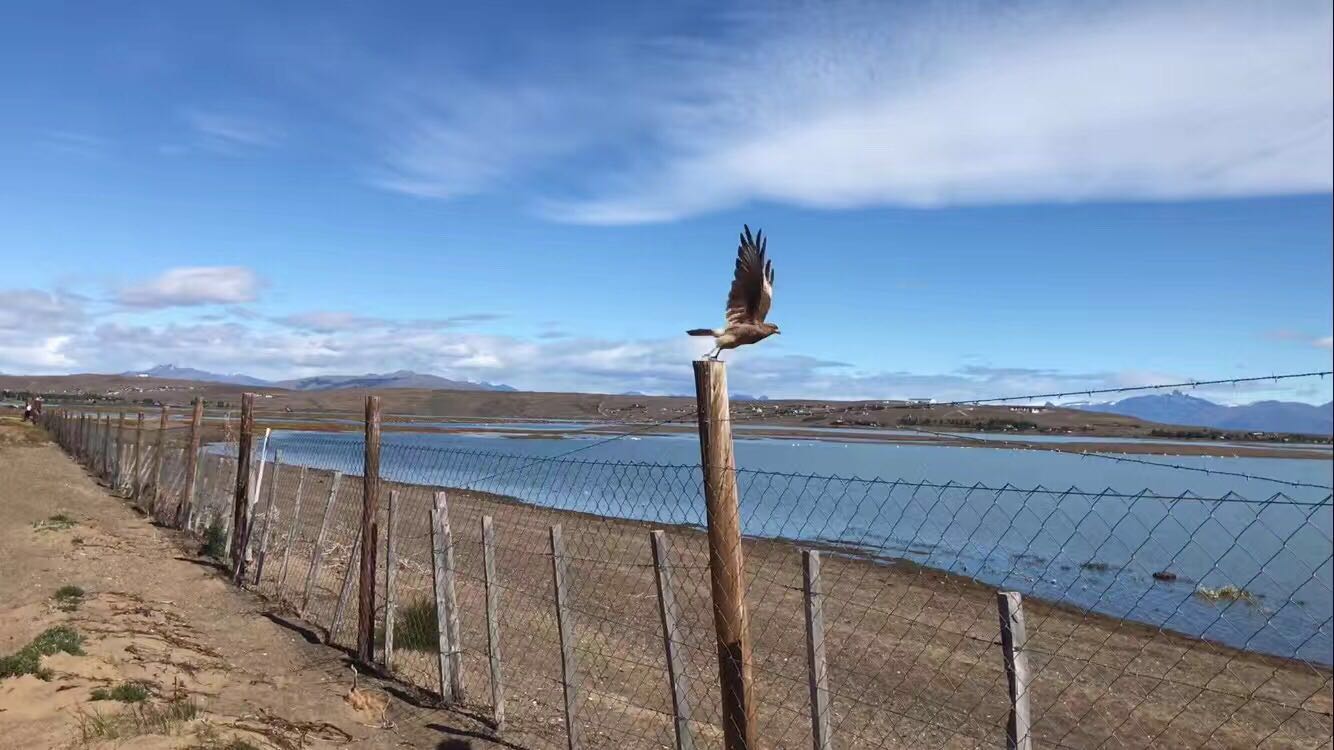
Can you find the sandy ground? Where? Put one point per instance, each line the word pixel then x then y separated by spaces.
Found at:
pixel 154 615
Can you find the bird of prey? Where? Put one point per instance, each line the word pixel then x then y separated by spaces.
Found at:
pixel 748 301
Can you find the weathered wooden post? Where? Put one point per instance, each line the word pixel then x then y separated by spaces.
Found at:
pixel 242 496
pixel 390 579
pixel 446 605
pixel 817 667
pixel 118 477
pixel 268 518
pixel 370 509
pixel 569 670
pixel 345 591
pixel 1010 605
pixel 676 675
pixel 157 459
pixel 727 569
pixel 191 465
pixel 291 533
pixel 136 479
pixel 106 447
pixel 318 554
pixel 493 620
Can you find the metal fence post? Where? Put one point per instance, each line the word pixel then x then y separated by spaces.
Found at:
pixel 727 567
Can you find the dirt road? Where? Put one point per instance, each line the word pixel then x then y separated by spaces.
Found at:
pixel 216 671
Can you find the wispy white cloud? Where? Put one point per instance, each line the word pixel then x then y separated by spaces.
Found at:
pixel 1285 334
pixel 852 104
pixel 856 105
pixel 183 287
pixel 1325 342
pixel 230 130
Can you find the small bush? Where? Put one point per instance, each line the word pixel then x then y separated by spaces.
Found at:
pixel 126 692
pixel 415 627
pixel 58 522
pixel 139 720
pixel 28 660
pixel 215 541
pixel 68 598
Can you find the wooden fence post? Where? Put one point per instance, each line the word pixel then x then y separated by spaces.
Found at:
pixel 345 591
pixel 191 466
pixel 370 510
pixel 816 666
pixel 158 453
pixel 318 553
pixel 118 477
pixel 268 517
pixel 242 496
pixel 390 578
pixel 565 625
pixel 291 533
pixel 676 675
pixel 1013 636
pixel 137 478
pixel 493 620
pixel 727 569
pixel 106 447
pixel 446 606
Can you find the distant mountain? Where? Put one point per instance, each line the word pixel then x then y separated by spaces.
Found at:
pixel 189 373
pixel 1261 416
pixel 397 379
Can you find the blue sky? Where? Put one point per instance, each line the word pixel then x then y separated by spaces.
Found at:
pixel 963 199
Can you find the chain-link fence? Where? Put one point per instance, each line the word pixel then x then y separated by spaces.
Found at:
pixel 1149 620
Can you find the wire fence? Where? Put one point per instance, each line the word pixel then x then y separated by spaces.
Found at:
pixel 1149 620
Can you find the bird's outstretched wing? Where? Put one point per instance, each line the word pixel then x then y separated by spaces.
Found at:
pixel 753 285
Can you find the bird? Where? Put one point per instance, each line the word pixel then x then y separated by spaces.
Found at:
pixel 748 301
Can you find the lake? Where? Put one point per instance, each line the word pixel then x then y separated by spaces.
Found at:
pixel 1079 530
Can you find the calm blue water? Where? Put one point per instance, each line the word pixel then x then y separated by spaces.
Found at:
pixel 1040 522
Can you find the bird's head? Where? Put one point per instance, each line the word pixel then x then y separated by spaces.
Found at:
pixel 771 328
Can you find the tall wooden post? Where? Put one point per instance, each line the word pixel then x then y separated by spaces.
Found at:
pixel 106 446
pixel 727 569
pixel 817 668
pixel 241 499
pixel 118 474
pixel 157 459
pixel 1010 605
pixel 676 676
pixel 569 671
pixel 191 465
pixel 136 479
pixel 370 509
pixel 390 579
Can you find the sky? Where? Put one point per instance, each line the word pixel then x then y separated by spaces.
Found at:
pixel 964 200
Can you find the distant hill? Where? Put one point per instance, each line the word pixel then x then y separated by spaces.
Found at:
pixel 189 373
pixel 1261 416
pixel 398 379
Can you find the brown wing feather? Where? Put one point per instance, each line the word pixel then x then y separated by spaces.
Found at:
pixel 752 288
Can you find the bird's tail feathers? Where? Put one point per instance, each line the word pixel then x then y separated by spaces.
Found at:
pixel 701 332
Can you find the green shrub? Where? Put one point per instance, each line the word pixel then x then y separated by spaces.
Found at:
pixel 415 627
pixel 126 692
pixel 28 660
pixel 58 522
pixel 215 541
pixel 68 598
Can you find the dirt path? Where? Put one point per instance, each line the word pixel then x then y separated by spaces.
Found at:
pixel 220 674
